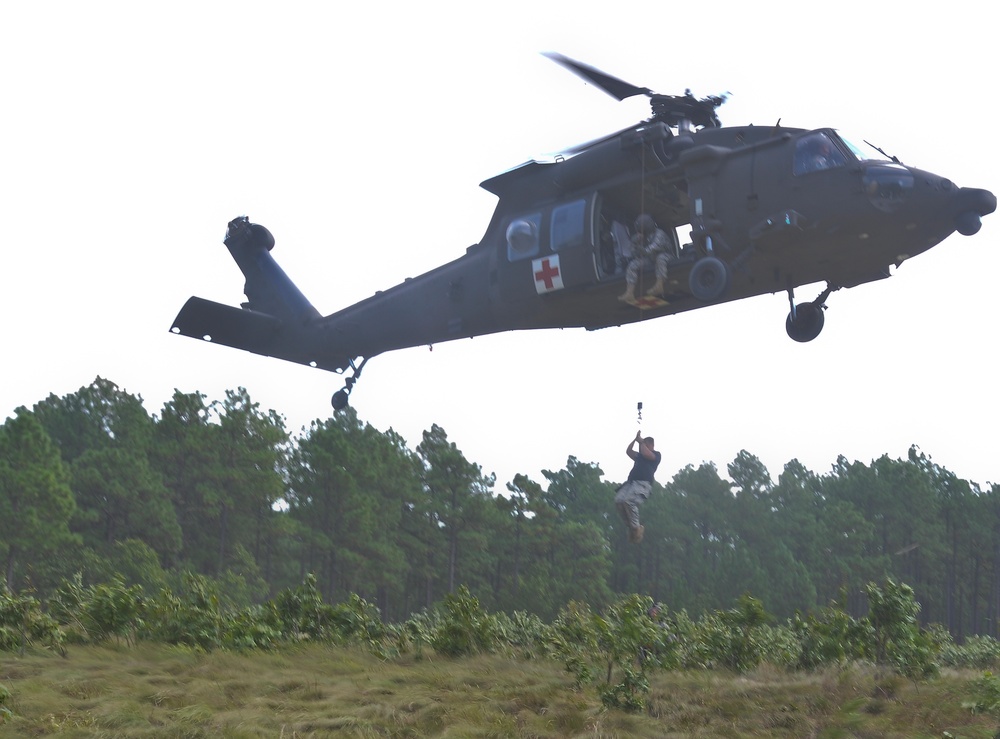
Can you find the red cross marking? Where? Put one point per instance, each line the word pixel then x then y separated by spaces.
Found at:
pixel 546 274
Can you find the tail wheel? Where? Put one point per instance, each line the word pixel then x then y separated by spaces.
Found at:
pixel 709 279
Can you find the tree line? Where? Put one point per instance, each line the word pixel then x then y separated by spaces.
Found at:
pixel 94 486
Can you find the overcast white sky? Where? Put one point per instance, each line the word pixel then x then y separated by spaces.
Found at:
pixel 358 133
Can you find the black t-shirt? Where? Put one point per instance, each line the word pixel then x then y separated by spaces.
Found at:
pixel 643 468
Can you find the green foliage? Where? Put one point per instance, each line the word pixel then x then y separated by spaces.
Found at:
pixel 355 497
pixel 36 502
pixel 24 624
pixel 5 712
pixel 745 624
pixel 986 695
pixel 301 612
pixel 464 627
pixel 241 583
pixel 252 627
pixel 358 621
pixel 100 612
pixel 91 482
pixel 619 644
pixel 574 641
pixel 460 626
pixel 133 560
pixel 523 634
pixel 687 651
pixel 978 652
pixel 737 639
pixel 897 639
pixel 624 633
pixel 889 635
pixel 829 637
pixel 413 634
pixel 192 618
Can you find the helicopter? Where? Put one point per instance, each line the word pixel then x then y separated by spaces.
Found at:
pixel 763 209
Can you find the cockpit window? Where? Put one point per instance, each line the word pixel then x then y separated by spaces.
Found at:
pixel 816 152
pixel 568 225
pixel 522 237
pixel 863 153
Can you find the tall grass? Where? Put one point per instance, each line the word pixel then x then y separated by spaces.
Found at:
pixel 314 690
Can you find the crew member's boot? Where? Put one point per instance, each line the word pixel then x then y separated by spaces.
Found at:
pixel 629 295
pixel 657 289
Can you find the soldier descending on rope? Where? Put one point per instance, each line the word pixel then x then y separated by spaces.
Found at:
pixel 639 485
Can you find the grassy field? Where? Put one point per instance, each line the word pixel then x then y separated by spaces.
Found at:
pixel 317 691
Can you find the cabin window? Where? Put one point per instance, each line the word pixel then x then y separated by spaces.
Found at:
pixel 522 237
pixel 816 152
pixel 569 225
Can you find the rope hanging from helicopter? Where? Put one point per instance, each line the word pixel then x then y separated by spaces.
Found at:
pixel 639 237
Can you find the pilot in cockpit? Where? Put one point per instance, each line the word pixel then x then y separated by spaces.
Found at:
pixel 816 152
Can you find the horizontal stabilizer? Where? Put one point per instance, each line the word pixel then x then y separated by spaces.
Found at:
pixel 223 324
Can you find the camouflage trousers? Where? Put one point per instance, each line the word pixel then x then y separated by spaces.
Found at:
pixel 629 497
pixel 659 263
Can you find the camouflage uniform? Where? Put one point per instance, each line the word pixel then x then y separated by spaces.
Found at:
pixel 649 250
pixel 648 253
pixel 628 499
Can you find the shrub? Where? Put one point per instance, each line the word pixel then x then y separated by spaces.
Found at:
pixel 464 627
pixel 898 641
pixel 738 639
pixel 193 618
pixel 524 634
pixel 114 610
pixel 301 612
pixel 978 652
pixel 621 644
pixel 251 628
pixel 829 637
pixel 359 621
pixel 574 640
pixel 99 612
pixel 986 695
pixel 22 624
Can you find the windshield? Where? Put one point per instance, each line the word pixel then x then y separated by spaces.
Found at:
pixel 816 152
pixel 864 152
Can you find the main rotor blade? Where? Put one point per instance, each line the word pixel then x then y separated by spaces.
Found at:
pixel 616 88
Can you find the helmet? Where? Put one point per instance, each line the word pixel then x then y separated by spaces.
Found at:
pixel 645 223
pixel 818 144
pixel 522 237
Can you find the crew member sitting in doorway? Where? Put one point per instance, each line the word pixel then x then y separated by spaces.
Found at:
pixel 637 488
pixel 650 247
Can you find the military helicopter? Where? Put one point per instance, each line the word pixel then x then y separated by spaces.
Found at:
pixel 764 209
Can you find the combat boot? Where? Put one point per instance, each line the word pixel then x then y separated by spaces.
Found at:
pixel 657 289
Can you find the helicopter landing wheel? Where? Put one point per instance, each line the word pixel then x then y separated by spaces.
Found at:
pixel 339 400
pixel 709 279
pixel 805 323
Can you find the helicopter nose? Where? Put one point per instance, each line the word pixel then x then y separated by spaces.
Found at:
pixel 972 204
